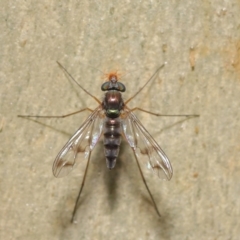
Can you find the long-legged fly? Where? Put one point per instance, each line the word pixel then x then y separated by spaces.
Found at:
pixel 112 120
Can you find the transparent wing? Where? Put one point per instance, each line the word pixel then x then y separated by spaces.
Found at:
pixel 142 143
pixel 79 145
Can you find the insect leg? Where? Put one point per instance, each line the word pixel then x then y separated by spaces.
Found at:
pixel 164 115
pixel 152 77
pixel 80 191
pixel 145 183
pixel 61 116
pixel 72 78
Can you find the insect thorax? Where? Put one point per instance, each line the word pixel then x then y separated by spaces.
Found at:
pixel 113 103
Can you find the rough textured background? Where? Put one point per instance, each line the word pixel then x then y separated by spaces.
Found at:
pixel 200 40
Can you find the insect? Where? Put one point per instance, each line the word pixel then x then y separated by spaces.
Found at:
pixel 112 120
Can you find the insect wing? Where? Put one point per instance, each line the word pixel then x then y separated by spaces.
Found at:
pixel 143 143
pixel 79 145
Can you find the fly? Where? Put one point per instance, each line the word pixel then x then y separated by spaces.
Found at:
pixel 112 120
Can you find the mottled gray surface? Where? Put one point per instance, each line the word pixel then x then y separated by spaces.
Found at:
pixel 200 40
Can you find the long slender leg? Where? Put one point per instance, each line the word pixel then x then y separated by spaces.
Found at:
pixel 80 191
pixel 61 116
pixel 72 78
pixel 154 74
pixel 145 183
pixel 164 115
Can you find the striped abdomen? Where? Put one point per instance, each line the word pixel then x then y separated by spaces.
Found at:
pixel 112 140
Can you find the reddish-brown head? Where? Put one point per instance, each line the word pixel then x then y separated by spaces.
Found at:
pixel 112 76
pixel 112 83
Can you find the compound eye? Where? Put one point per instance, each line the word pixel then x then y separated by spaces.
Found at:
pixel 105 86
pixel 121 87
pixel 113 86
